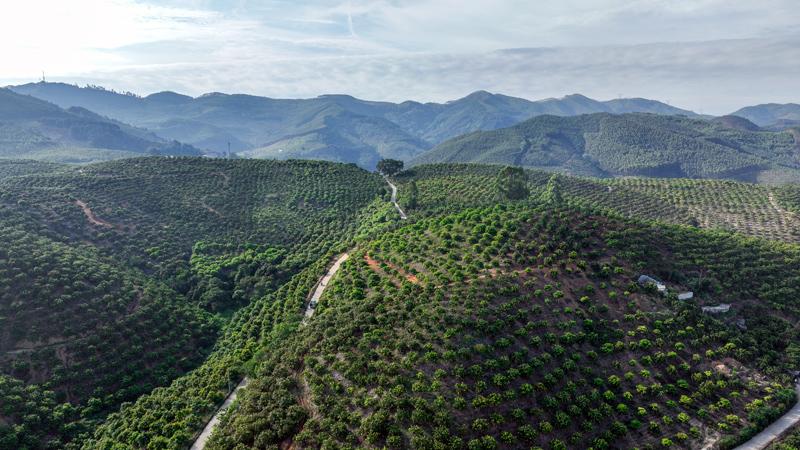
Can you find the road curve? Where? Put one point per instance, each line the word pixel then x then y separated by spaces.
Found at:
pixel 776 429
pixel 394 198
pixel 200 442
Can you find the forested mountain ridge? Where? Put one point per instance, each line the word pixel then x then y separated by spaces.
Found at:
pixel 336 127
pixel 30 127
pixel 608 145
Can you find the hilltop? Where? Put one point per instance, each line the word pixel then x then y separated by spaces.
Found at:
pixel 32 128
pixel 606 145
pixel 528 344
pixel 512 325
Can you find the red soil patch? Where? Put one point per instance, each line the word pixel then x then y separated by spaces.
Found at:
pixel 91 216
pixel 376 266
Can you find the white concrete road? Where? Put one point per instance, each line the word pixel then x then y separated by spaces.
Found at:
pixel 776 429
pixel 394 199
pixel 200 442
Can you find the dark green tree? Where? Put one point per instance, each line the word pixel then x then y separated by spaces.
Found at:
pixel 413 194
pixel 512 182
pixel 552 192
pixel 390 166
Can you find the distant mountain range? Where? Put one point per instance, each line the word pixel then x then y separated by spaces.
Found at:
pixel 606 145
pixel 333 127
pixel 772 115
pixel 30 127
pixel 346 129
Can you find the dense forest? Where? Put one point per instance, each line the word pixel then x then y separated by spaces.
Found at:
pixel 505 312
pixel 606 145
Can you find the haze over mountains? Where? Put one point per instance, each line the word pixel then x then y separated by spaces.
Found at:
pixel 772 115
pixel 346 129
pixel 30 127
pixel 334 127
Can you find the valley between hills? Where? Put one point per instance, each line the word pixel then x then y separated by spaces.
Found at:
pixel 503 312
pixel 241 272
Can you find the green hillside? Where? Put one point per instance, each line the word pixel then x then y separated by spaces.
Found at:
pixel 137 293
pixel 93 332
pixel 510 325
pixel 608 145
pixel 749 209
pixel 770 114
pixel 345 137
pixel 520 327
pixel 218 214
pixel 117 278
pixel 13 168
pixel 34 129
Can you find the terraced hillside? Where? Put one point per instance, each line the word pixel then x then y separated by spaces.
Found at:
pixel 518 327
pixel 749 209
pixel 217 224
pixel 110 273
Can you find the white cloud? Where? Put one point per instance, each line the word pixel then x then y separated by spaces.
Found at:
pixel 718 53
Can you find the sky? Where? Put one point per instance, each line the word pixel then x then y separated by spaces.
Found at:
pixel 711 56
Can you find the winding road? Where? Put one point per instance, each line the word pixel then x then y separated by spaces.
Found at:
pixel 319 289
pixel 776 429
pixel 394 198
pixel 200 442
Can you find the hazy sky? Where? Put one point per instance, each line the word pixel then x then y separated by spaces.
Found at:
pixel 708 55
